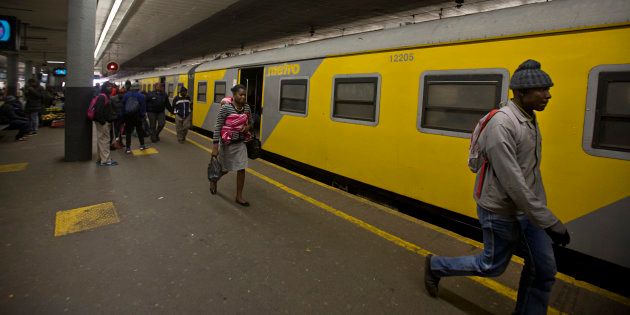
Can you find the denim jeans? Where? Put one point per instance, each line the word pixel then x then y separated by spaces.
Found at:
pixel 33 120
pixel 502 235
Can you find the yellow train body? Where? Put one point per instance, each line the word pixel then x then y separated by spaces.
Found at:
pixel 432 168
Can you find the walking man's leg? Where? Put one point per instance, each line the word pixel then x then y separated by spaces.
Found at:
pixel 140 130
pixel 539 271
pixel 186 126
pixel 152 126
pixel 179 127
pixel 500 238
pixel 129 126
pixel 161 121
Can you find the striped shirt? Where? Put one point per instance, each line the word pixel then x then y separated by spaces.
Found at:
pixel 227 110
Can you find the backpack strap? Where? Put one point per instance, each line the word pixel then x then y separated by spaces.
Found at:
pixel 517 124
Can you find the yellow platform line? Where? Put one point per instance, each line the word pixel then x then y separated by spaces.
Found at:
pixel 14 167
pixel 560 276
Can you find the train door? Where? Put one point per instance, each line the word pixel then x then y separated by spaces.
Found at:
pixel 252 78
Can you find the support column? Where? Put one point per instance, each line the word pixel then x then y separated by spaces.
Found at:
pixel 12 74
pixel 28 70
pixel 80 64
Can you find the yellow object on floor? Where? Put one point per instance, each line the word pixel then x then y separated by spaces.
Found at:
pixel 85 218
pixel 149 151
pixel 15 167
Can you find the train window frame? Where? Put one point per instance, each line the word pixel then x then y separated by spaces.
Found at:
pixel 448 74
pixel 215 91
pixel 595 98
pixel 358 78
pixel 205 94
pixel 294 113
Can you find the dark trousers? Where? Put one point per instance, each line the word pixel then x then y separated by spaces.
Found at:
pixel 21 125
pixel 156 124
pixel 132 122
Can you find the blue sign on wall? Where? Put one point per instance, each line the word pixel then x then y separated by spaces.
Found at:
pixel 9 35
pixel 60 72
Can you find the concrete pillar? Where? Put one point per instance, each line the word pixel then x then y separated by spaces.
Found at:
pixel 28 70
pixel 80 64
pixel 12 74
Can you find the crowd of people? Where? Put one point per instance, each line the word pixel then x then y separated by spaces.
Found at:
pixel 121 111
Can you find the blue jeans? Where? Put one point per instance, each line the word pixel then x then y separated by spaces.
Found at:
pixel 33 120
pixel 502 235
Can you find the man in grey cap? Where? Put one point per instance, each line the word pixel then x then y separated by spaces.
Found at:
pixel 511 200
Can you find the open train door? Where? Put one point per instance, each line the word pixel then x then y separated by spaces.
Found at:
pixel 252 78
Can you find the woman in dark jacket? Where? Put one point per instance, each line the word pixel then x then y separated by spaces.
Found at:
pixel 34 103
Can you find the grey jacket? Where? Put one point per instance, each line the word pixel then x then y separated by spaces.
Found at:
pixel 513 183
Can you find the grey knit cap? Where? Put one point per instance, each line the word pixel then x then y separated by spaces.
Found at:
pixel 529 76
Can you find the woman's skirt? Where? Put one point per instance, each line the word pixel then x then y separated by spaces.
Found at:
pixel 233 156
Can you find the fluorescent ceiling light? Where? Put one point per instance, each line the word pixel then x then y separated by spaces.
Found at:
pixel 52 61
pixel 108 24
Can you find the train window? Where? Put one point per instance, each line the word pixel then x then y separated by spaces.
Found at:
pixel 356 99
pixel 219 91
pixel 293 96
pixel 202 87
pixel 607 124
pixel 171 88
pixel 452 101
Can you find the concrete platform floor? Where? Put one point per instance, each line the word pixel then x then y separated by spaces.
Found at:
pixel 301 247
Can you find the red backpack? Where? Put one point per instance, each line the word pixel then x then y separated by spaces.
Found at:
pixel 91 112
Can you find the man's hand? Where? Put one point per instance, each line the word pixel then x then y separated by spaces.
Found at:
pixel 559 234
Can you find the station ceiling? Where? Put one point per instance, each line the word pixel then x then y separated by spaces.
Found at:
pixel 146 34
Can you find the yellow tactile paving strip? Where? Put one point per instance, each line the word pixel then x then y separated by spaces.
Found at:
pixel 149 151
pixel 85 218
pixel 15 167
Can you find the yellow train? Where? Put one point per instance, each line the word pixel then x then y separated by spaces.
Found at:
pixel 394 109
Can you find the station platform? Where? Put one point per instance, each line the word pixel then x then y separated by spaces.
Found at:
pixel 147 236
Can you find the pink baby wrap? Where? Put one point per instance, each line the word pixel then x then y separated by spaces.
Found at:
pixel 233 124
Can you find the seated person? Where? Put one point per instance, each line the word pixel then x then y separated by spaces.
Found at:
pixel 8 116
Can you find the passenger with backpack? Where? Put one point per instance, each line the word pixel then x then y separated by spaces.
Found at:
pixel 157 103
pixel 511 202
pixel 182 108
pixel 134 109
pixel 102 113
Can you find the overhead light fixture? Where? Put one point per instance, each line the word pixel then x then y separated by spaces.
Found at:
pixel 53 61
pixel 108 24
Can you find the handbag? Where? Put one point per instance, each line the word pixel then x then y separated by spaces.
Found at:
pixel 214 169
pixel 253 148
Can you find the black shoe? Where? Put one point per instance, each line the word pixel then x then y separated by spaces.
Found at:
pixel 431 281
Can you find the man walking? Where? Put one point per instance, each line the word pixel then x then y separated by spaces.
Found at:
pixel 182 107
pixel 511 200
pixel 133 110
pixel 157 102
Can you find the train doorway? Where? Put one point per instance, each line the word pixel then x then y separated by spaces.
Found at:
pixel 252 78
